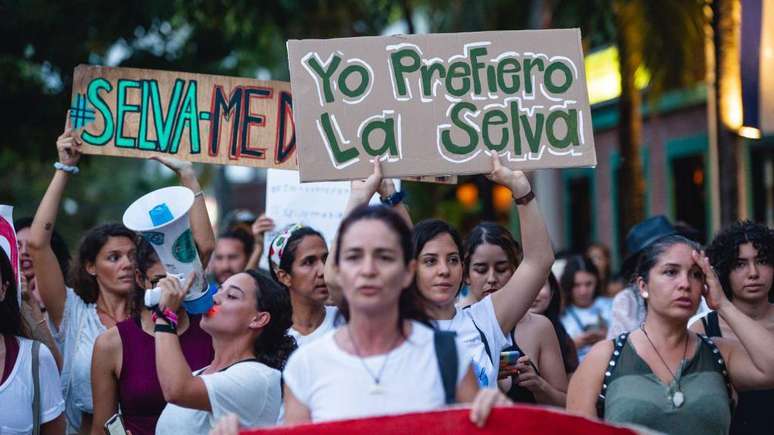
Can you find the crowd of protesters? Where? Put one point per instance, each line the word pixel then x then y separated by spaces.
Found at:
pixel 393 317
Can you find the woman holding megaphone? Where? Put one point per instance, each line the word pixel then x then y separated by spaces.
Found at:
pixel 123 367
pixel 103 278
pixel 248 324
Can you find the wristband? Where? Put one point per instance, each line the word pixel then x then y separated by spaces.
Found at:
pixel 66 168
pixel 165 328
pixel 199 193
pixel 524 200
pixel 167 316
pixel 393 199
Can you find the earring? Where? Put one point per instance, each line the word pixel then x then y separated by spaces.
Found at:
pixel 644 294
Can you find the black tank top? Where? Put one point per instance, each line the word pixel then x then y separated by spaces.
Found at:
pixel 517 393
pixel 753 414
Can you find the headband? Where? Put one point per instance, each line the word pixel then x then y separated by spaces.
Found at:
pixel 279 243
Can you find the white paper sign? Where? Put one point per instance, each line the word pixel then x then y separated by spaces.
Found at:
pixel 317 205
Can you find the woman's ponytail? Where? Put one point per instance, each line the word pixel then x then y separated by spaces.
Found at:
pixel 274 346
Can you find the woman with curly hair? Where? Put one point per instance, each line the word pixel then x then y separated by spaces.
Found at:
pixel 743 257
pixel 248 324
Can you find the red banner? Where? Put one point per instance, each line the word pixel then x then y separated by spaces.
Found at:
pixel 506 420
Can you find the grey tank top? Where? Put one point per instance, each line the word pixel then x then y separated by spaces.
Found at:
pixel 635 395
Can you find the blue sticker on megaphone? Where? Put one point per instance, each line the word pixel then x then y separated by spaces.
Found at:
pixel 184 249
pixel 154 237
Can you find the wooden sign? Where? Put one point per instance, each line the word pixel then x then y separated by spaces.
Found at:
pixel 438 104
pixel 203 118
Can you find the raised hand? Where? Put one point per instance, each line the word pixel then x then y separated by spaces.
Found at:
pixel 68 147
pixel 363 190
pixel 515 181
pixel 179 166
pixel 713 290
pixel 261 226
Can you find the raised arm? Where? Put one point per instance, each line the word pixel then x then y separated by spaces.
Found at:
pixel 178 384
pixel 750 360
pixel 260 227
pixel 387 188
pixel 201 227
pixel 360 193
pixel 514 299
pixel 50 278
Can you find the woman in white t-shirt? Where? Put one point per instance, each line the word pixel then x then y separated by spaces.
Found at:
pixel 248 324
pixel 538 374
pixel 383 360
pixel 297 259
pixel 587 313
pixel 484 326
pixel 16 375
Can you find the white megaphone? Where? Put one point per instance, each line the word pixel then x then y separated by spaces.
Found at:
pixel 161 217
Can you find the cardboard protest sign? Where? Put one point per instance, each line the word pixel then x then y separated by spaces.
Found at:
pixel 437 104
pixel 318 205
pixel 502 421
pixel 203 118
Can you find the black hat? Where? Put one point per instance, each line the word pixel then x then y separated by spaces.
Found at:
pixel 643 235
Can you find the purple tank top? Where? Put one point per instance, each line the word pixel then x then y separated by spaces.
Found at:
pixel 139 391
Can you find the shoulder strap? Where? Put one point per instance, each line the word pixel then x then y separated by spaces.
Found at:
pixel 574 315
pixel 618 344
pixel 446 353
pixel 712 326
pixel 36 387
pixel 720 365
pixel 483 339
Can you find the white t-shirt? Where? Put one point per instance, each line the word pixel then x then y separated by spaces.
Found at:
pixel 464 323
pixel 335 385
pixel 76 336
pixel 16 393
pixel 249 389
pixel 328 324
pixel 578 320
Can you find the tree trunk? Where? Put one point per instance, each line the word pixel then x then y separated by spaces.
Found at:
pixel 726 28
pixel 630 121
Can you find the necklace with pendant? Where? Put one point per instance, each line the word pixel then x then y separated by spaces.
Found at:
pixel 678 398
pixel 376 388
